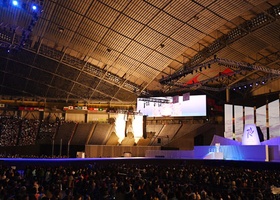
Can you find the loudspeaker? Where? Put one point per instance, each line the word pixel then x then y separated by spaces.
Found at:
pixel 145 126
pixel 260 133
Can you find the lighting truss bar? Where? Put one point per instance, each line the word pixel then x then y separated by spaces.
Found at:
pixel 220 61
pixel 249 84
pixel 231 63
pixel 259 81
pixel 184 71
pixel 200 86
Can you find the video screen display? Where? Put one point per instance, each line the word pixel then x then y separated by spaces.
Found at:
pixel 195 106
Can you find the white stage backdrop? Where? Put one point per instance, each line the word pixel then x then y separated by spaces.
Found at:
pixel 261 120
pixel 272 115
pixel 249 115
pixel 238 122
pixel 274 122
pixel 228 121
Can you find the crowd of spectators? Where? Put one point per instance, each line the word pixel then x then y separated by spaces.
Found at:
pixel 9 127
pixel 16 131
pixel 47 131
pixel 28 132
pixel 182 181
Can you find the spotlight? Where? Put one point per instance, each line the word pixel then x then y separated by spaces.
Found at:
pixel 245 86
pixel 34 7
pixel 15 3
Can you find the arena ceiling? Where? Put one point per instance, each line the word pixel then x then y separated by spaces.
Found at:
pixel 118 50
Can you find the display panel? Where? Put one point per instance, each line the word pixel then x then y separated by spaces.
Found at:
pixel 154 107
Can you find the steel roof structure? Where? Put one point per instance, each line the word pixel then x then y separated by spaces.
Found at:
pixel 118 50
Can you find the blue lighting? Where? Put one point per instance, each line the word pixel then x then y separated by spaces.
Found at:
pixel 15 3
pixel 34 7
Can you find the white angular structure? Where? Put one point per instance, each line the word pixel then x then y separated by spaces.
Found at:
pixel 250 135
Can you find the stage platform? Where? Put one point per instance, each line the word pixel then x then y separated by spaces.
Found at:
pixel 227 149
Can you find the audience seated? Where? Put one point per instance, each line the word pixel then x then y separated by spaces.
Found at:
pixel 16 131
pixel 9 127
pixel 28 132
pixel 180 181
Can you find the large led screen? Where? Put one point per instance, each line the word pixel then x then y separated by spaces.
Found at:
pixel 195 106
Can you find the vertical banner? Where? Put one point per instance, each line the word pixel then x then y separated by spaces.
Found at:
pixel 186 96
pixel 273 119
pixel 249 115
pixel 238 122
pixel 261 120
pixel 176 99
pixel 228 121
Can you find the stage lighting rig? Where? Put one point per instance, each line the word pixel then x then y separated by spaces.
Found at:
pixel 34 8
pixel 171 79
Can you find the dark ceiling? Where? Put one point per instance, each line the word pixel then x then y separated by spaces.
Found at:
pixel 117 50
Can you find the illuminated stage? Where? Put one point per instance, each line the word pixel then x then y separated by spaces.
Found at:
pixel 267 151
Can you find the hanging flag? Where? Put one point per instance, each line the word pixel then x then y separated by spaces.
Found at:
pixel 176 99
pixel 186 96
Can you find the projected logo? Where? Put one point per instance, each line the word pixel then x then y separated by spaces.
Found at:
pixel 249 135
pixel 250 132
